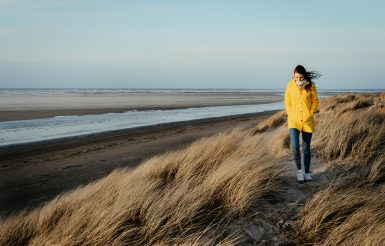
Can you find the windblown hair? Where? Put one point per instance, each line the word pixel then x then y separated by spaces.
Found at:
pixel 309 75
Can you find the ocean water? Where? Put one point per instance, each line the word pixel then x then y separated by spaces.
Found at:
pixel 37 91
pixel 25 131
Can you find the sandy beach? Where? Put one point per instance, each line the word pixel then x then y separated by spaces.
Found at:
pixel 37 104
pixel 32 174
pixel 194 174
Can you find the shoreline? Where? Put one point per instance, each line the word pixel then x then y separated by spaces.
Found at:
pixel 28 131
pixel 13 115
pixel 34 173
pixel 15 149
pixel 30 106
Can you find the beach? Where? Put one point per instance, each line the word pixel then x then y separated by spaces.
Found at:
pixel 151 182
pixel 34 173
pixel 192 123
pixel 37 104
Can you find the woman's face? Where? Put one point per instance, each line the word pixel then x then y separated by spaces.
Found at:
pixel 299 77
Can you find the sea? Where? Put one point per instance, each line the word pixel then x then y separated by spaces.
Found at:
pixel 27 131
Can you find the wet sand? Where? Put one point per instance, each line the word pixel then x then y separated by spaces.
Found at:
pixel 21 106
pixel 31 174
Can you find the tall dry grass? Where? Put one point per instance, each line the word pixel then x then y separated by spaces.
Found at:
pixel 194 196
pixel 273 122
pixel 200 195
pixel 352 134
pixel 344 215
pixel 351 141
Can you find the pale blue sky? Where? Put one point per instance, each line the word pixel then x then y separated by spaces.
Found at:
pixel 190 44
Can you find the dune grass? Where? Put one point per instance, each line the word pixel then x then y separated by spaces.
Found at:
pixel 350 210
pixel 200 195
pixel 344 215
pixel 271 123
pixel 191 196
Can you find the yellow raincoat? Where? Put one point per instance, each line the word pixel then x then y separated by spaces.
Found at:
pixel 300 106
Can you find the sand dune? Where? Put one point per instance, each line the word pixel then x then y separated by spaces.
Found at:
pixel 33 173
pixel 233 188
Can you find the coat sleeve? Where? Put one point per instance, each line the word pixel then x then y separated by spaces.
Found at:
pixel 314 99
pixel 288 105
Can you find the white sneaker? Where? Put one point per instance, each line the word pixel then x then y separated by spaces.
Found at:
pixel 300 176
pixel 307 177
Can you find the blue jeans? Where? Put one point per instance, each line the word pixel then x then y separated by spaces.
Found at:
pixel 294 140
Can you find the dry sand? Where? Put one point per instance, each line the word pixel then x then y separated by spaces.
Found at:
pixel 31 174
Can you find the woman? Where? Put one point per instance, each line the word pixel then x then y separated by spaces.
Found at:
pixel 301 102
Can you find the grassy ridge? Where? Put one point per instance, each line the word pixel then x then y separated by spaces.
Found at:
pixel 186 197
pixel 201 195
pixel 351 141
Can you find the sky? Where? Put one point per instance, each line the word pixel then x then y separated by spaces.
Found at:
pixel 247 44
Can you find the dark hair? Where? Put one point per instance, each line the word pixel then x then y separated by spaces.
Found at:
pixel 309 75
